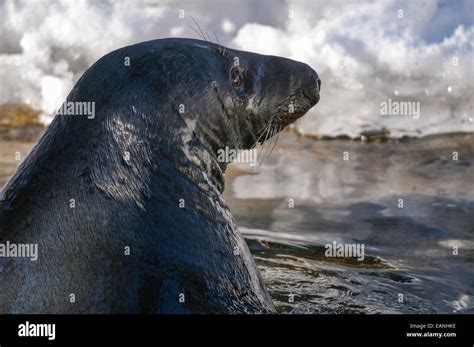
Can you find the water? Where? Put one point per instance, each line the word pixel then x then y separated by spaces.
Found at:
pixel 408 251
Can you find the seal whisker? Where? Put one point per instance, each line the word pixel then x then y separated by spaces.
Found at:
pixel 264 149
pixel 263 130
pixel 262 146
pixel 197 33
pixel 202 34
pixel 269 130
pixel 272 144
pixel 208 36
pixel 276 139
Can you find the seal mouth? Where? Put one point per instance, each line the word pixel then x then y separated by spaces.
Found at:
pixel 283 117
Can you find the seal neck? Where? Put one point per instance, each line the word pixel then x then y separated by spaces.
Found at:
pixel 184 150
pixel 195 146
pixel 156 151
pixel 199 164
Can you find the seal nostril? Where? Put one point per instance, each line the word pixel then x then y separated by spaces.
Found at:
pixel 312 89
pixel 312 95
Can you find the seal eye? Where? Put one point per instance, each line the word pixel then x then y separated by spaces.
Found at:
pixel 235 76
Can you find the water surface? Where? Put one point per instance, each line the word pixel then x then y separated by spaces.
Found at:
pixel 408 250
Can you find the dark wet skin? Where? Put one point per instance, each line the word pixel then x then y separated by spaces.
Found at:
pixel 127 171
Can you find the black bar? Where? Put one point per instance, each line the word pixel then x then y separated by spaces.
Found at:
pixel 379 330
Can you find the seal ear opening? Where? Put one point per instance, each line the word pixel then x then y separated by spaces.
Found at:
pixel 241 80
pixel 236 76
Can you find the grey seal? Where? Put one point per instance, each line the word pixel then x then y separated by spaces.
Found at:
pixel 125 202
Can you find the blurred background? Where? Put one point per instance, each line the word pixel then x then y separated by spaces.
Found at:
pixel 366 52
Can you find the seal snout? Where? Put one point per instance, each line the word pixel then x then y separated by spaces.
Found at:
pixel 311 86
